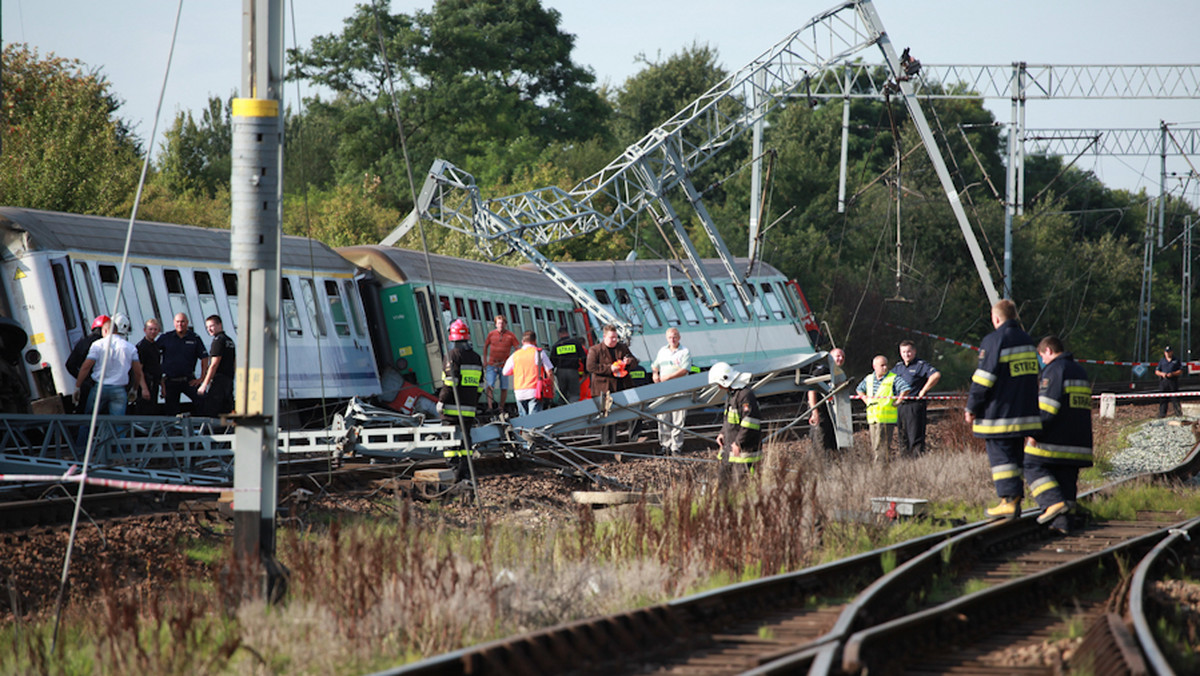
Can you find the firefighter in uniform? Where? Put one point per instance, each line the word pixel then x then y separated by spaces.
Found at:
pixel 1002 406
pixel 567 355
pixel 740 438
pixel 462 381
pixel 1054 455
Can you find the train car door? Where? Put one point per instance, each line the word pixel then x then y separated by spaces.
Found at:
pixel 412 332
pixel 76 323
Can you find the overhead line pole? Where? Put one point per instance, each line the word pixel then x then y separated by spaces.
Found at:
pixel 256 188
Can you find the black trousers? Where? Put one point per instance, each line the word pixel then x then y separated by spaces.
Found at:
pixel 912 416
pixel 176 387
pixel 1169 385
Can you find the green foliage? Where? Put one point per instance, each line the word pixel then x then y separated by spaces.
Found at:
pixel 342 216
pixel 1124 503
pixel 196 157
pixel 63 148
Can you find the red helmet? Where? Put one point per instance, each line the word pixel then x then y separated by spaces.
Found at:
pixel 100 321
pixel 459 330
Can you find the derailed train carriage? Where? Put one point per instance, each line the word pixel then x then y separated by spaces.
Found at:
pixel 60 270
pixel 651 295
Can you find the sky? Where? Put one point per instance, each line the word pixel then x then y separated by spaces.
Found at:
pixel 128 40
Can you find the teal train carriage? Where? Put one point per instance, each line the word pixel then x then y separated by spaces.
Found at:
pixel 654 295
pixel 651 295
pixel 412 324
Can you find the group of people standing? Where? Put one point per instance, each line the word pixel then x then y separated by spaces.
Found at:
pixel 896 397
pixel 158 365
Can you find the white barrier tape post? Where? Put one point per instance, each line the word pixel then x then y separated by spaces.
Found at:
pixel 71 477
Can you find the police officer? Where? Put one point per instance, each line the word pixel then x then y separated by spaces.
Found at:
pixel 462 381
pixel 1168 371
pixel 181 349
pixel 1002 406
pixel 911 412
pixel 1054 455
pixel 567 355
pixel 217 385
pixel 740 439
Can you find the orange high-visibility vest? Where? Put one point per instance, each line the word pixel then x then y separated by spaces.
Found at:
pixel 525 369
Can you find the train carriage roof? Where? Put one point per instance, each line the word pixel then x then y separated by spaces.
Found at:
pixel 654 269
pixel 405 265
pixel 36 230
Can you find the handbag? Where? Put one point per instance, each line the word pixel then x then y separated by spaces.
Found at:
pixel 545 380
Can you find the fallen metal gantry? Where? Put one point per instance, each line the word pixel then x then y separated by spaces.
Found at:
pixel 200 450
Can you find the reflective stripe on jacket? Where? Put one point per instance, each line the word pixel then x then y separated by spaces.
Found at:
pixel 1065 404
pixel 1004 389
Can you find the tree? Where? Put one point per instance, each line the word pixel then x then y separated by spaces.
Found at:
pixel 61 146
pixel 487 84
pixel 196 157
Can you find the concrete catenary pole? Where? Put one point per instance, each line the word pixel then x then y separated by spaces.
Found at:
pixel 256 188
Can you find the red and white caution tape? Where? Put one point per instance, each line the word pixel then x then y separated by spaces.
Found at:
pixel 1101 362
pixel 71 477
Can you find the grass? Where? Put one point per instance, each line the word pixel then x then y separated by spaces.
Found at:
pixel 369 592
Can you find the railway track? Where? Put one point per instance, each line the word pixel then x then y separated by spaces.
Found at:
pixel 969 600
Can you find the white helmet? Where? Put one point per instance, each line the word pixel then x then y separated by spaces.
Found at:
pixel 726 376
pixel 121 324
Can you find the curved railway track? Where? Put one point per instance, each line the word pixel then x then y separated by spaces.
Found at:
pixel 910 608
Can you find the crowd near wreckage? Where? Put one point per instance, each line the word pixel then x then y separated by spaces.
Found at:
pixel 348 318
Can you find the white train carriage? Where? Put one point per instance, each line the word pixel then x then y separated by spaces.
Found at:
pixel 61 270
pixel 654 295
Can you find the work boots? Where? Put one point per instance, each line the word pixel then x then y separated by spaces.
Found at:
pixel 1052 511
pixel 1009 508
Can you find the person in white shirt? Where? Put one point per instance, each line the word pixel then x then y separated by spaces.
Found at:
pixel 673 361
pixel 122 362
pixel 526 365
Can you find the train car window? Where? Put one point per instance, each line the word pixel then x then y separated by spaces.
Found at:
pixel 473 305
pixel 231 296
pixel 83 286
pixel 143 286
pixel 208 296
pixel 772 301
pixel 513 317
pixel 108 282
pixel 291 314
pixel 424 312
pixel 706 312
pixel 337 308
pixel 665 304
pixel 539 314
pixel 562 321
pixel 604 301
pixel 526 320
pixel 488 317
pixel 63 290
pixel 309 292
pixel 625 304
pixel 643 302
pixel 460 308
pixel 355 307
pixel 176 294
pixel 685 305
pixel 735 301
pixel 757 301
pixel 789 300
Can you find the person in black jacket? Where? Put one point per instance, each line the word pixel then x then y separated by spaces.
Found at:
pixel 1054 455
pixel 79 354
pixel 1002 405
pixel 462 382
pixel 150 356
pixel 567 355
pixel 740 439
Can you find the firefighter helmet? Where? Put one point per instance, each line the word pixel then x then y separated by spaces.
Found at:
pixel 726 376
pixel 121 324
pixel 99 321
pixel 459 330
